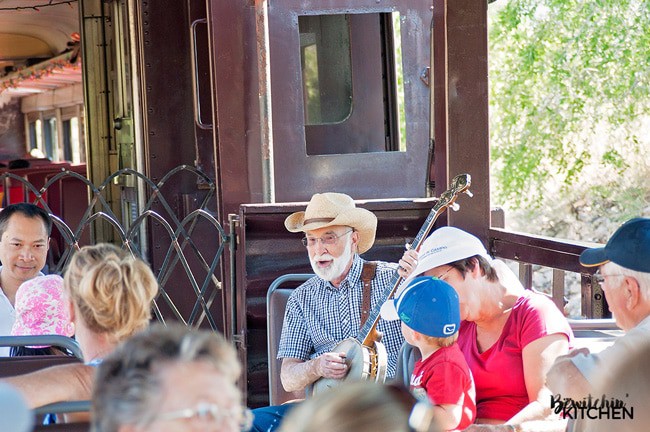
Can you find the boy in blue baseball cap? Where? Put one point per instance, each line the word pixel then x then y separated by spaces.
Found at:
pixel 429 310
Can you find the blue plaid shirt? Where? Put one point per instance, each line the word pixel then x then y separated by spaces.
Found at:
pixel 319 316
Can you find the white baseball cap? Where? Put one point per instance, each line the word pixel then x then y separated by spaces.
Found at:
pixel 446 245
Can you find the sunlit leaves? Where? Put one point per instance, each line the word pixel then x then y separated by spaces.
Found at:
pixel 569 91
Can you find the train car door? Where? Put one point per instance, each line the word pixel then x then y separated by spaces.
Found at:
pixel 348 94
pixel 112 104
pixel 314 96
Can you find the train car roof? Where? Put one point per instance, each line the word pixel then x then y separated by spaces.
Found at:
pixel 39 42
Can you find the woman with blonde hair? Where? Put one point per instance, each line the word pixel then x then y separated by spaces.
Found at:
pixel 110 295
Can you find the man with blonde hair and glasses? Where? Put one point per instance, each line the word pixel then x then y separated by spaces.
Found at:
pixel 624 275
pixel 327 308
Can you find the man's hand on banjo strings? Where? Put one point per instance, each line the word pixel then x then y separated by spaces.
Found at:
pixel 332 365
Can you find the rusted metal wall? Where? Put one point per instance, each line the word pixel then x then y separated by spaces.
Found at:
pixel 171 135
pixel 466 114
pixel 236 105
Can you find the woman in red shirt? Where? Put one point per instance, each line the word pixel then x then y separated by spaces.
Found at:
pixel 509 336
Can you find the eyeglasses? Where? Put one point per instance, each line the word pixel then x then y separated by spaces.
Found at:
pixel 442 276
pixel 210 412
pixel 600 278
pixel 327 240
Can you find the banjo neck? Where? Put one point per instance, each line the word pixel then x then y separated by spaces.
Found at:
pixel 368 334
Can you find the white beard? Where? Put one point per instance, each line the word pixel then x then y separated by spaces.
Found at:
pixel 336 268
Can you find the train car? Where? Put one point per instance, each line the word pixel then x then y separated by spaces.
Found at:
pixel 265 102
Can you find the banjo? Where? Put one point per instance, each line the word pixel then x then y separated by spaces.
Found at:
pixel 365 355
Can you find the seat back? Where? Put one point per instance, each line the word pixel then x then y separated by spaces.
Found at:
pixel 79 424
pixel 594 334
pixel 12 366
pixel 45 340
pixel 276 302
pixel 63 427
pixel 406 359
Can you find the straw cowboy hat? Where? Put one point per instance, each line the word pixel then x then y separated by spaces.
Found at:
pixel 335 209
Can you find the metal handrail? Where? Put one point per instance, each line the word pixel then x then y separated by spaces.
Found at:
pixel 196 91
pixel 40 340
pixel 63 407
pixel 593 324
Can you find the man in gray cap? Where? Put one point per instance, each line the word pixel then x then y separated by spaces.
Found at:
pixel 624 275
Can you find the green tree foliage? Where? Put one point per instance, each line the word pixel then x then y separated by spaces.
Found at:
pixel 569 103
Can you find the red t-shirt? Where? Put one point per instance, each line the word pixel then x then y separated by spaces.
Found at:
pixel 444 377
pixel 499 371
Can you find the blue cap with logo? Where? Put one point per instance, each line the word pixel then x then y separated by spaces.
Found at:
pixel 427 305
pixel 628 247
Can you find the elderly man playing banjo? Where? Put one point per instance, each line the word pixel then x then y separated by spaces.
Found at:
pixel 333 305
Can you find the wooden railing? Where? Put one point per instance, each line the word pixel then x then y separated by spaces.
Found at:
pixel 561 257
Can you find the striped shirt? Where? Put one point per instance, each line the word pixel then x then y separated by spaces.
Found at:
pixel 319 316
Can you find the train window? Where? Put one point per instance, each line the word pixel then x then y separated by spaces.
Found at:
pixel 42 130
pixel 56 134
pixel 67 140
pixel 50 138
pixel 71 148
pixel 34 129
pixel 398 80
pixel 344 59
pixel 326 70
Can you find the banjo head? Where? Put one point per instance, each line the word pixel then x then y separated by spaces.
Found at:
pixel 359 360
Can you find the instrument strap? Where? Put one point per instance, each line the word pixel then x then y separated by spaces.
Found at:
pixel 367 275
